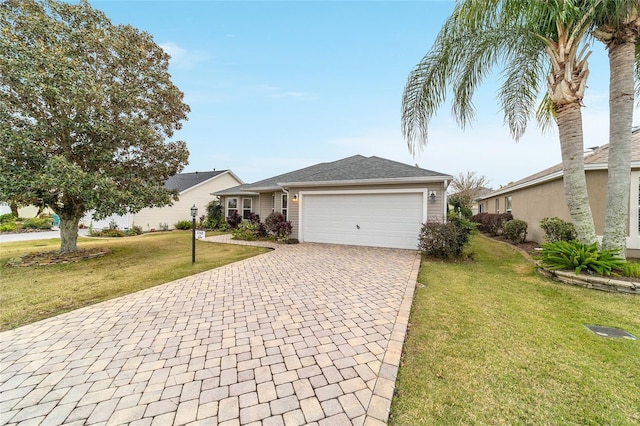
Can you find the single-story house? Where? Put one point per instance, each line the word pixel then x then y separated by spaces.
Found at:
pixel 366 201
pixel 542 195
pixel 193 188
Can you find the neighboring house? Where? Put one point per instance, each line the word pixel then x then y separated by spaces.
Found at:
pixel 475 207
pixel 193 188
pixel 542 195
pixel 24 212
pixel 367 201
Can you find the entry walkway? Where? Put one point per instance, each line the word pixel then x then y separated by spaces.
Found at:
pixel 305 334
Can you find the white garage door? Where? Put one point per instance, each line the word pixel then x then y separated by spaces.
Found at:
pixel 378 220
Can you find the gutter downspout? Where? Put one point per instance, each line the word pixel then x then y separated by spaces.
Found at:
pixel 445 199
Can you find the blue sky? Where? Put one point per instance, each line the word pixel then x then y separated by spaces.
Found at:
pixel 275 86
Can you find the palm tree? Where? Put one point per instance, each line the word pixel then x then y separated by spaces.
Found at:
pixel 541 46
pixel 618 27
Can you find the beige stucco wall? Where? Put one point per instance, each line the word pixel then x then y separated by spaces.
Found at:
pixel 200 195
pixel 547 199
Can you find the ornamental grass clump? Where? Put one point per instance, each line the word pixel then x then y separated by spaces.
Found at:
pixel 579 257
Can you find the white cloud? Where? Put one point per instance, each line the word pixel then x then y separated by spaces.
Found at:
pixel 180 57
pixel 277 93
pixel 488 150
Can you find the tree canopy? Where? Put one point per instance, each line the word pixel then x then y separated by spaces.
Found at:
pixel 542 50
pixel 467 187
pixel 87 111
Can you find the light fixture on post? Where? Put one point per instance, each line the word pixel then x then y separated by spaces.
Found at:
pixel 194 214
pixel 432 196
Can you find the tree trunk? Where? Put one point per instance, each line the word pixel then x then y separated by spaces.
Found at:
pixel 569 119
pixel 621 91
pixel 14 208
pixel 68 233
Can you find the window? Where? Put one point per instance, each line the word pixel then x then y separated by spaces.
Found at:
pixel 285 205
pixel 273 203
pixel 507 204
pixel 232 206
pixel 246 208
pixel 497 205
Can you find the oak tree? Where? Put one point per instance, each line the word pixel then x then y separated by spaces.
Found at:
pixel 87 113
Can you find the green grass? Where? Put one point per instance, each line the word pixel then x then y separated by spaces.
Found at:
pixel 491 342
pixel 135 263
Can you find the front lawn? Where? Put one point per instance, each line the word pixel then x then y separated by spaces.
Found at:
pixel 29 294
pixel 491 342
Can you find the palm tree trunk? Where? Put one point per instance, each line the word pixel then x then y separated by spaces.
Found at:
pixel 621 90
pixel 569 119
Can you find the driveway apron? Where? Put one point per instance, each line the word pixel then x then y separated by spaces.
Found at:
pixel 304 334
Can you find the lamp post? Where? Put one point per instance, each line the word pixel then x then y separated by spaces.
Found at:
pixel 194 213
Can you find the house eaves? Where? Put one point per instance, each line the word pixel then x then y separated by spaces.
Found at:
pixel 361 182
pixel 546 178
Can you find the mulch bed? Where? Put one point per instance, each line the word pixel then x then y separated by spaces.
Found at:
pixel 56 258
pixel 528 246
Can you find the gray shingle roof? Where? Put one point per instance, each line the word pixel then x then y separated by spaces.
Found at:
pixel 184 181
pixel 355 168
pixel 599 158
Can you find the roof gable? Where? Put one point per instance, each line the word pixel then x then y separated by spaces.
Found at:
pixel 353 168
pixel 184 181
pixel 356 169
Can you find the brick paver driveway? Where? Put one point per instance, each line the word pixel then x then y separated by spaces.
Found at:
pixel 305 334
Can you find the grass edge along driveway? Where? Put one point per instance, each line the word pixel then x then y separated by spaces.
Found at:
pixel 491 342
pixel 30 294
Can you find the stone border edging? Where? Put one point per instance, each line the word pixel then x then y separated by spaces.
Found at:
pixel 610 285
pixel 380 404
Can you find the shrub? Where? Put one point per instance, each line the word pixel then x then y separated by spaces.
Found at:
pixel 631 269
pixel 439 240
pixel 254 218
pixel 35 223
pixel 277 225
pixel 577 256
pixel 135 230
pixel 262 232
pixel 107 233
pixel 478 219
pixel 215 218
pixel 556 229
pixel 492 223
pixel 273 221
pixel 464 228
pixel 245 231
pixel 8 227
pixel 7 217
pixel 234 220
pixel 516 230
pixel 184 224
